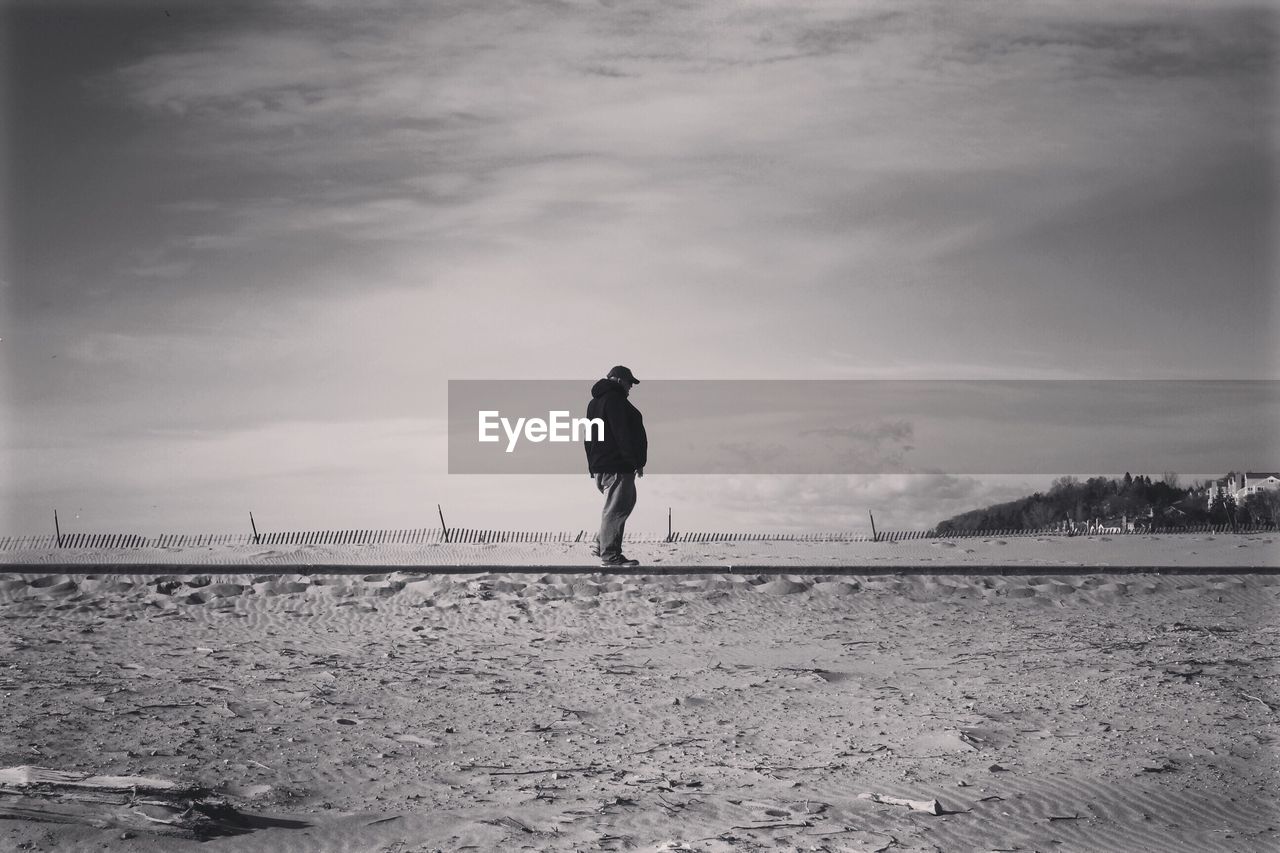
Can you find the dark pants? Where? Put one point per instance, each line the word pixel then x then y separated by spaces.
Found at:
pixel 619 492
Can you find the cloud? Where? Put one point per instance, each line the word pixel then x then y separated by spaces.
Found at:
pixel 152 263
pixel 100 348
pixel 1124 42
pixel 831 502
pixel 697 120
pixel 751 455
pixel 877 447
pixel 237 73
pixel 163 458
pixel 294 476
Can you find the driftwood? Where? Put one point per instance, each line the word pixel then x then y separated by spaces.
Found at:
pixel 932 807
pixel 137 803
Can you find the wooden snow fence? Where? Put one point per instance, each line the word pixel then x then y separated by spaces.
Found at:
pixel 486 536
pixel 137 803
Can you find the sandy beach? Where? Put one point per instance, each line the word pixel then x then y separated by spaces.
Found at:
pixel 1048 695
pixel 1111 552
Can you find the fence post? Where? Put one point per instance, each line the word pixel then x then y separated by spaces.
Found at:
pixel 443 530
pixel 875 537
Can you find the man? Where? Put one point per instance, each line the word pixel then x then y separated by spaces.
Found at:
pixel 616 460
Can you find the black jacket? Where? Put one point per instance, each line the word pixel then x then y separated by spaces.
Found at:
pixel 625 447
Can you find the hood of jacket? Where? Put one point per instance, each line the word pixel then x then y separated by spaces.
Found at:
pixel 604 386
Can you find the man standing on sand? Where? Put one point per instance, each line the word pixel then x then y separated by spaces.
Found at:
pixel 616 460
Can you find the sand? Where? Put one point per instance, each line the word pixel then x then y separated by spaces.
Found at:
pixel 402 710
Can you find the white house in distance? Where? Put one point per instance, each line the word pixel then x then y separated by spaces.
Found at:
pixel 1240 486
pixel 1256 481
pixel 1227 485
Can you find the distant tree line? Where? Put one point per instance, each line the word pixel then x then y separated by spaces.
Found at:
pixel 1159 504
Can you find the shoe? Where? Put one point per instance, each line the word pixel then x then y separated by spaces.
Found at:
pixel 619 563
pixel 595 550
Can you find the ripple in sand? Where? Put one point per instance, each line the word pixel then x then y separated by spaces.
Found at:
pixel 1053 588
pixel 47 581
pixel 837 587
pixel 282 588
pixel 782 586
pixel 63 589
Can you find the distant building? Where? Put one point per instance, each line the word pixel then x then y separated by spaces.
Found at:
pixel 1227 485
pixel 1239 486
pixel 1256 481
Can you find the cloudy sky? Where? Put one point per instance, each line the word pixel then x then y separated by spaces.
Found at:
pixel 247 245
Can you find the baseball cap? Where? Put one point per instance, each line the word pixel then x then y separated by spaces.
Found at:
pixel 620 372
